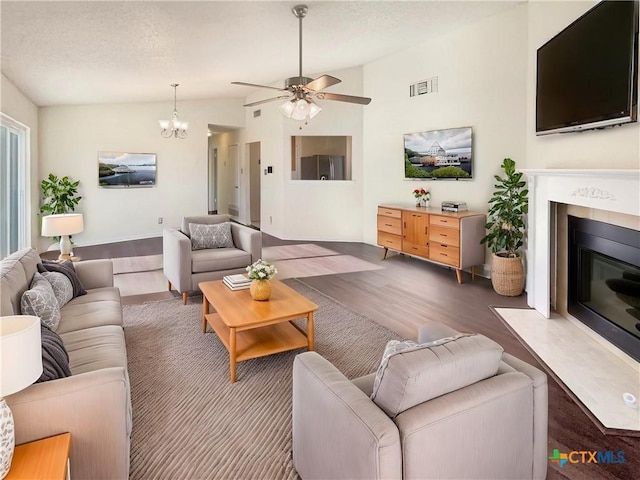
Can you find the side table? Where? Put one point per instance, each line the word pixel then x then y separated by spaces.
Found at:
pixel 47 458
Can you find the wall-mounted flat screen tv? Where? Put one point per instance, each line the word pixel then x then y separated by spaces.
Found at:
pixel 587 75
pixel 438 154
pixel 121 170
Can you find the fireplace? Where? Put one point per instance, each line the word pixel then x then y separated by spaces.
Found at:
pixel 604 281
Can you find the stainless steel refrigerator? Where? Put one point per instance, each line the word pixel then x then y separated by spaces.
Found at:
pixel 322 167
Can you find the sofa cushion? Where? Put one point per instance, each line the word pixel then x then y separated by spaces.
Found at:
pixel 420 372
pixel 40 301
pixel 61 285
pixel 55 359
pixel 99 307
pixel 210 236
pixel 95 348
pixel 218 259
pixel 68 269
pixel 16 273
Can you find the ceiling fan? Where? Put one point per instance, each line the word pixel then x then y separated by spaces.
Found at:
pixel 302 90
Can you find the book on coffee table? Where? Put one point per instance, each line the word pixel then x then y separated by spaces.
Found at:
pixel 236 282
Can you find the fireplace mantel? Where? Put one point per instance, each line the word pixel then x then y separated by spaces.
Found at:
pixel 609 190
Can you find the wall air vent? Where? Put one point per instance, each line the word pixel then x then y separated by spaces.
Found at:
pixel 430 85
pixel 257 113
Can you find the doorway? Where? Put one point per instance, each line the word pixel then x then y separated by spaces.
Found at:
pixel 253 154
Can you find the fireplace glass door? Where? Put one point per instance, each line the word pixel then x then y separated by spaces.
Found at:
pixel 611 289
pixel 604 281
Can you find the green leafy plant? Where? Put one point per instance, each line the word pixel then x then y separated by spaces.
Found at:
pixel 509 204
pixel 59 195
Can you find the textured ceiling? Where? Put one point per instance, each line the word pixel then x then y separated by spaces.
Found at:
pixel 86 52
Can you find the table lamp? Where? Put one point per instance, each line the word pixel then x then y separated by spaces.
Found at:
pixel 21 354
pixel 62 225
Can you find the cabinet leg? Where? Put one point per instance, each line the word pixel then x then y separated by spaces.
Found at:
pixel 385 253
pixel 459 275
pixel 473 273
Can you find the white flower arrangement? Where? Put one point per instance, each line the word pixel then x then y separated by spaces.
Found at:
pixel 261 270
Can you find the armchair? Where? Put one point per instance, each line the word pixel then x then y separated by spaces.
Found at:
pixel 460 408
pixel 185 267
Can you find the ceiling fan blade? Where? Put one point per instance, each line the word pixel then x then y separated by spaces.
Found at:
pixel 259 86
pixel 322 82
pixel 343 98
pixel 260 102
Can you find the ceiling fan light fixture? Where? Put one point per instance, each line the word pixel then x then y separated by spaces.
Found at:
pixel 314 109
pixel 302 109
pixel 287 108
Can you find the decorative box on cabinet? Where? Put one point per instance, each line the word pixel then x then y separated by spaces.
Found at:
pixel 447 238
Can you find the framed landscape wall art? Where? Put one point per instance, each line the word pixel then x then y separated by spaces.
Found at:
pixel 123 170
pixel 438 154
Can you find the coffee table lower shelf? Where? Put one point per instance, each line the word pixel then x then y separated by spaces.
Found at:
pixel 258 342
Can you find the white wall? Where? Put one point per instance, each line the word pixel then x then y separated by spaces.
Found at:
pixel 72 136
pixel 225 177
pixel 482 84
pixel 19 107
pixel 617 147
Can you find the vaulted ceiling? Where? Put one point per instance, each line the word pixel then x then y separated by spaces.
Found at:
pixel 85 52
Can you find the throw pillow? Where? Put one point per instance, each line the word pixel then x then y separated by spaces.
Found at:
pixel 419 372
pixel 215 235
pixel 61 285
pixel 68 269
pixel 40 301
pixel 55 359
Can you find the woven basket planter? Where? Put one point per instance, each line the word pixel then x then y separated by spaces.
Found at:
pixel 507 275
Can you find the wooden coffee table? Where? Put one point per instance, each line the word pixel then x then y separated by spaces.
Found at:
pixel 251 329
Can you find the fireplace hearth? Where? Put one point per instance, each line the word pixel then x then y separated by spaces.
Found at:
pixel 604 281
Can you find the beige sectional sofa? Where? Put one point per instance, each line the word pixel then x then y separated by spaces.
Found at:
pixel 94 403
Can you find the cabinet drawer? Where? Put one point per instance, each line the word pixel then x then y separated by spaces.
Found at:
pixel 414 249
pixel 442 253
pixel 444 221
pixel 388 240
pixel 446 235
pixel 390 225
pixel 389 212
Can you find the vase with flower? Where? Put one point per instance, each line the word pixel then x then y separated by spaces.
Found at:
pixel 260 272
pixel 422 197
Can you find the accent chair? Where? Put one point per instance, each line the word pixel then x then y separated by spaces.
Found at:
pixel 207 248
pixel 451 406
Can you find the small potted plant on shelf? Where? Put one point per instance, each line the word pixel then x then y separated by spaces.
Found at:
pixel 260 272
pixel 505 225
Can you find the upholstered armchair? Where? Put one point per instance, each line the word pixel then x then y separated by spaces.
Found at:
pixel 207 248
pixel 457 407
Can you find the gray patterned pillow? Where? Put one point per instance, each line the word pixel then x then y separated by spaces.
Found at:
pixel 40 301
pixel 216 235
pixel 61 285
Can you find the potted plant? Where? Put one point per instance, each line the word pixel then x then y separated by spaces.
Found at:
pixel 505 226
pixel 260 272
pixel 59 195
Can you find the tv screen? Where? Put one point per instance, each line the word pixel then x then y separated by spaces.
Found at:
pixel 438 154
pixel 121 170
pixel 587 75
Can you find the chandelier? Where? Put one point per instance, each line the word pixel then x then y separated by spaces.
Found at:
pixel 174 127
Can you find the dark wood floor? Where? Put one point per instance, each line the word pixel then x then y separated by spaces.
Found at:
pixel 408 292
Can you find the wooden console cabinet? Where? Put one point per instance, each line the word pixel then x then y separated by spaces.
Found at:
pixel 448 238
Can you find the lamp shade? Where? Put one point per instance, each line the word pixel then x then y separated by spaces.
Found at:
pixel 21 353
pixel 62 224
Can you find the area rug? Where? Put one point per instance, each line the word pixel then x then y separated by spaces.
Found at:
pixel 328 265
pixel 189 422
pixel 145 263
pixel 301 250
